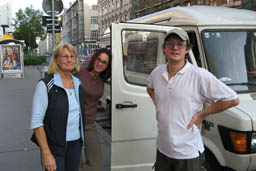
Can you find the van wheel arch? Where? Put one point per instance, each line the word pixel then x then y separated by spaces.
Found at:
pixel 211 163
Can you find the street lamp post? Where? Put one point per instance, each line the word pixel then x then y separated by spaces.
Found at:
pixel 53 26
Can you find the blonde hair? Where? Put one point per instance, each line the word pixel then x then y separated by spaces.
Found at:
pixel 53 67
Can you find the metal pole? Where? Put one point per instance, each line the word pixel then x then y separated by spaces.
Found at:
pixel 150 10
pixel 53 26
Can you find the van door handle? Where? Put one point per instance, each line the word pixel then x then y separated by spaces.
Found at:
pixel 126 105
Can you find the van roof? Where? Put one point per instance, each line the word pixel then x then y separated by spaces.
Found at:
pixel 200 15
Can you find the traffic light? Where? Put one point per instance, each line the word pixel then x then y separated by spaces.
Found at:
pixel 57 29
pixel 47 21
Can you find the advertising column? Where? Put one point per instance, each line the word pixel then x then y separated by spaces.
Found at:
pixel 11 61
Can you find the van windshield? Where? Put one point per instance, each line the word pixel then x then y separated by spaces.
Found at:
pixel 231 57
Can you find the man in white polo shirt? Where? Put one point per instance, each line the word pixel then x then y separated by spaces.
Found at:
pixel 178 90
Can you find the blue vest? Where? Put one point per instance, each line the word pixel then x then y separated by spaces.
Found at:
pixel 56 116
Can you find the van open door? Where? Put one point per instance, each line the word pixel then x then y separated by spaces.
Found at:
pixel 136 51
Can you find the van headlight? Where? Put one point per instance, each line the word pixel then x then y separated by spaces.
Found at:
pixel 253 143
pixel 241 142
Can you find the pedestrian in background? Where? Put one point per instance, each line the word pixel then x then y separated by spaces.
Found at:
pixel 58 112
pixel 178 90
pixel 93 78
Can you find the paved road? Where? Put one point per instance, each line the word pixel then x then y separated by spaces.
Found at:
pixel 17 152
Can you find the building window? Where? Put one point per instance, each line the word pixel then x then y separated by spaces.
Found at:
pixel 113 2
pixel 211 3
pixel 141 54
pixel 102 10
pixel 93 48
pixel 199 2
pixel 94 34
pixel 94 20
pixel 94 7
pixel 116 3
pixel 126 1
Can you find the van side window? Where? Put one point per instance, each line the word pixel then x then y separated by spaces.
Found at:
pixel 193 41
pixel 141 54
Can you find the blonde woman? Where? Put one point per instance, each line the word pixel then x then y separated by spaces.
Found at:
pixel 58 112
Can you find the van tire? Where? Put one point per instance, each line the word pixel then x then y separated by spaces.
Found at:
pixel 210 164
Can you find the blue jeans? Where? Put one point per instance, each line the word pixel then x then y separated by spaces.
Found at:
pixel 71 160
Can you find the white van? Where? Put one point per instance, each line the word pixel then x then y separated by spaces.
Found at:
pixel 224 42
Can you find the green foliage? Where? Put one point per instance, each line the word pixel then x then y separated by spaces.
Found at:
pixel 34 60
pixel 28 26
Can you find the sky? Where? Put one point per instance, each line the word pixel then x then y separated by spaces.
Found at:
pixel 37 4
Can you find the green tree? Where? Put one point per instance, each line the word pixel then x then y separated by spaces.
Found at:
pixel 28 26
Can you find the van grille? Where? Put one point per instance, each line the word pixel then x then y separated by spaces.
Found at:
pixel 253 96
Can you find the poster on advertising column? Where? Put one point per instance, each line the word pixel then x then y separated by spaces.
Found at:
pixel 11 61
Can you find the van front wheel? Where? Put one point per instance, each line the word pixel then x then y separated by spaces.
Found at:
pixel 210 164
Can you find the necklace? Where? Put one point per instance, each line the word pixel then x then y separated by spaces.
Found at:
pixel 70 91
pixel 93 75
pixel 68 84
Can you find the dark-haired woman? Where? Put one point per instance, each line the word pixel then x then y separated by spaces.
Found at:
pixel 93 78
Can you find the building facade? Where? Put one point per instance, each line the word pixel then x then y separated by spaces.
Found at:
pixel 80 27
pixel 122 10
pixel 5 17
pixel 73 24
pixel 45 45
pixel 113 11
pixel 144 7
pixel 91 28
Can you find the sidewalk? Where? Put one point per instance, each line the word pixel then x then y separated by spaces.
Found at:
pixel 17 152
pixel 105 139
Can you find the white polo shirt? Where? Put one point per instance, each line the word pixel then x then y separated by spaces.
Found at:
pixel 177 100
